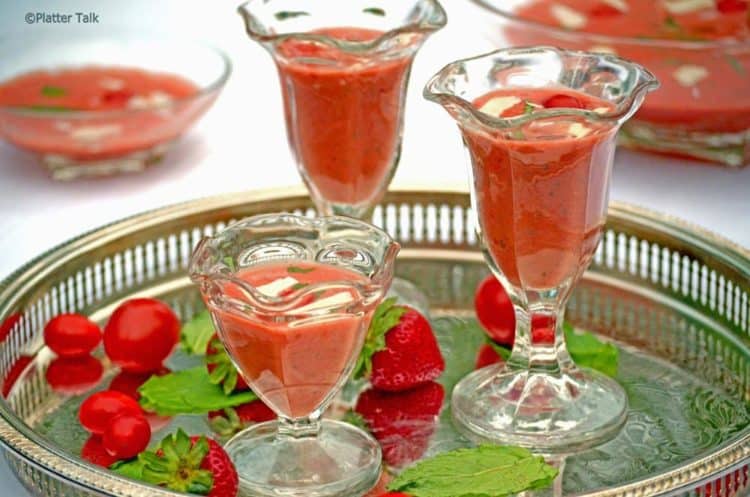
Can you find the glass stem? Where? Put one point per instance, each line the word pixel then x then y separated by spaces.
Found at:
pixel 540 338
pixel 298 428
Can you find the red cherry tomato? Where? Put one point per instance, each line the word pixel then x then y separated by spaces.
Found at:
pixel 562 101
pixel 99 409
pixel 7 325
pixel 141 334
pixel 93 452
pixel 129 383
pixel 495 311
pixel 126 436
pixel 71 335
pixel 74 375
pixel 15 372
pixel 731 6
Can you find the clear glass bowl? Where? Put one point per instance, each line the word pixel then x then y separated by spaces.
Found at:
pixel 83 143
pixel 706 120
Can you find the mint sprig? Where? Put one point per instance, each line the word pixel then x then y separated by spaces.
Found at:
pixel 377 11
pixel 484 471
pixel 584 348
pixel 588 351
pixel 386 316
pixel 287 14
pixel 53 91
pixel 300 270
pixel 188 392
pixel 196 333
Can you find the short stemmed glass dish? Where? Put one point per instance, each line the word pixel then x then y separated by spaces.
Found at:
pixel 344 69
pixel 292 299
pixel 540 185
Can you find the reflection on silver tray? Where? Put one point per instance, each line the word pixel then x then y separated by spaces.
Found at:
pixel 674 299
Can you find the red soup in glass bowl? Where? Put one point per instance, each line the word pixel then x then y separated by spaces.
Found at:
pixel 96 106
pixel 698 49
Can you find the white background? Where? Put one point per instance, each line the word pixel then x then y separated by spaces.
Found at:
pixel 241 145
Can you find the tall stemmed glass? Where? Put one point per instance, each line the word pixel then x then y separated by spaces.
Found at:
pixel 540 183
pixel 344 69
pixel 292 299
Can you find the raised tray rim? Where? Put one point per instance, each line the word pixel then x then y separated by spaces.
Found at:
pixel 27 444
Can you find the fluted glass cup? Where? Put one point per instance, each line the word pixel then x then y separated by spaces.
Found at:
pixel 292 299
pixel 344 69
pixel 540 186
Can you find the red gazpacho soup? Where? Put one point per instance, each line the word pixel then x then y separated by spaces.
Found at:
pixel 541 189
pixel 702 89
pixel 45 99
pixel 344 114
pixel 294 361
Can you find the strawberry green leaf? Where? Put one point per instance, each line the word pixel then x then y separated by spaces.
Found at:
pixel 588 351
pixel 499 350
pixel 188 392
pixel 484 471
pixel 356 419
pixel 196 333
pixel 129 469
pixel 386 316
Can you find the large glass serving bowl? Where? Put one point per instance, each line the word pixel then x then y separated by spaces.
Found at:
pixel 86 143
pixel 702 110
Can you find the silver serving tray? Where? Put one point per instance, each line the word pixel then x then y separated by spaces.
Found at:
pixel 673 297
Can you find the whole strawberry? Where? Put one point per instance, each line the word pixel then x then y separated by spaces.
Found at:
pixel 231 420
pixel 194 465
pixel 221 368
pixel 401 351
pixel 403 422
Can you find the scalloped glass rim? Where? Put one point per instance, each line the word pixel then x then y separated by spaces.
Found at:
pixel 435 92
pixel 435 20
pixel 259 301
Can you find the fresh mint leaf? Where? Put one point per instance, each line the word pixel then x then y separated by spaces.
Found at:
pixel 671 23
pixel 484 471
pixel 736 65
pixel 459 340
pixel 188 392
pixel 287 14
pixel 196 333
pixel 299 270
pixel 386 316
pixel 374 11
pixel 53 91
pixel 588 351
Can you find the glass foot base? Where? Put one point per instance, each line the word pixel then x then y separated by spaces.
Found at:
pixel 341 461
pixel 66 169
pixel 544 412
